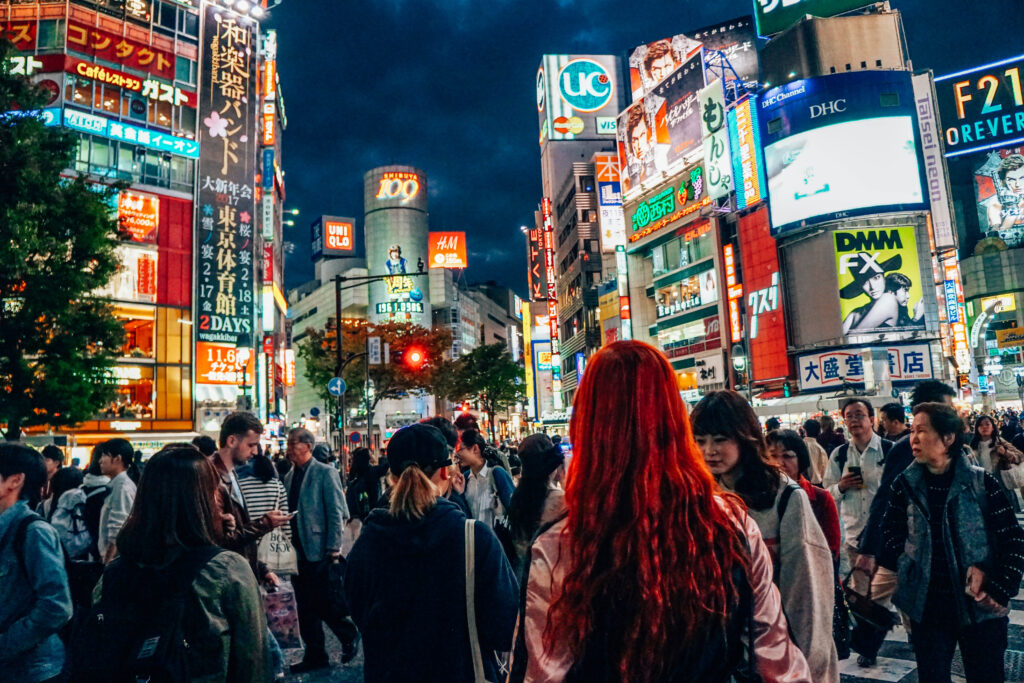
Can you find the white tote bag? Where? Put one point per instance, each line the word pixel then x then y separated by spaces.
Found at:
pixel 277 552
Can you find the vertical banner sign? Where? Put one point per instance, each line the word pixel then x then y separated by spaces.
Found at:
pixel 715 133
pixel 934 163
pixel 549 263
pixel 734 293
pixel 622 277
pixel 745 141
pixel 524 313
pixel 609 198
pixel 535 261
pixel 225 203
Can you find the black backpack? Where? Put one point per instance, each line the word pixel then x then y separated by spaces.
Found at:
pixel 95 496
pixel 148 625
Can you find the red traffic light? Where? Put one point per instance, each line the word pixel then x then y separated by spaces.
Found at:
pixel 414 358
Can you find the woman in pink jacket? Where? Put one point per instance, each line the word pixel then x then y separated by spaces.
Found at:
pixel 654 574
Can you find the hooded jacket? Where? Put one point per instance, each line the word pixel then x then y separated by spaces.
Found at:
pixel 406 589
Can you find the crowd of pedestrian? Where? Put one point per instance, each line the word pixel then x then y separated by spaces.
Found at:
pixel 666 546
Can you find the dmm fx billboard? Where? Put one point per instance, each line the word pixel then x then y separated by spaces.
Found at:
pixel 829 370
pixel 982 108
pixel 839 146
pixel 774 16
pixel 880 286
pixel 578 97
pixel 225 204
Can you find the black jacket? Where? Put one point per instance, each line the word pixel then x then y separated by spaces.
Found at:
pixel 406 588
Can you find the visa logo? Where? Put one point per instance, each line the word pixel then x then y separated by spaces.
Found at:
pixel 606 125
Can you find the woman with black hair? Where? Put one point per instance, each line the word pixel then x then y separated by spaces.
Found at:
pixel 539 498
pixel 364 485
pixel 995 454
pixel 262 491
pixel 729 434
pixel 488 484
pixel 957 549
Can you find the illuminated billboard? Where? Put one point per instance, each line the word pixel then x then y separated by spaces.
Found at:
pixel 113 47
pixel 652 63
pixel 658 134
pixel 225 202
pixel 832 369
pixel 447 250
pixel 395 234
pixel 774 16
pixel 999 187
pixel 765 319
pixel 578 96
pixel 982 108
pixel 715 139
pixel 668 205
pixel 139 215
pixel 839 146
pixel 535 264
pixel 332 236
pixel 880 285
pixel 609 199
pixel 936 184
pixel 745 147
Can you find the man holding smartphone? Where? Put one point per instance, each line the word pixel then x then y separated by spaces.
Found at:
pixel 853 476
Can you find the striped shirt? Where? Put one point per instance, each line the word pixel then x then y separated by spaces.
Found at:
pixel 262 497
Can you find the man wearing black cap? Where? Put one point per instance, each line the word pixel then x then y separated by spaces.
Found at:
pixel 406 581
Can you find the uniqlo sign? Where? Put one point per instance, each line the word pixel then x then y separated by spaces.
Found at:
pixel 338 236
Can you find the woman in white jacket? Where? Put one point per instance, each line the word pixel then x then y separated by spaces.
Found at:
pixel 728 433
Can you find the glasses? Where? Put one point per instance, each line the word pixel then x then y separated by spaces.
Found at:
pixel 856 417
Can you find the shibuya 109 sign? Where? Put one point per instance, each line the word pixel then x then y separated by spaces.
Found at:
pixel 225 201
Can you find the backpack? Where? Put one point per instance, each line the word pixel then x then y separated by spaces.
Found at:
pixel 845 449
pixel 69 519
pixel 147 625
pixel 95 496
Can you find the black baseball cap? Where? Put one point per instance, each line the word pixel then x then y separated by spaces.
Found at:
pixel 420 444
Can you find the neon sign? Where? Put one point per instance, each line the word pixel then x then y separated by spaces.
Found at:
pixel 763 301
pixel 734 293
pixel 399 185
pixel 115 130
pixel 982 108
pixel 390 307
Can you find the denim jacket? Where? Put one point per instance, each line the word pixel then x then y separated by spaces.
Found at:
pixel 34 600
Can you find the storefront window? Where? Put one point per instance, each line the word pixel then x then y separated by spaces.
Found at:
pixel 111 101
pixel 681 251
pixel 134 397
pixel 696 290
pixel 138 338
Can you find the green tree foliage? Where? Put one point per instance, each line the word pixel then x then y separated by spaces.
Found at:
pixel 489 376
pixel 57 345
pixel 389 380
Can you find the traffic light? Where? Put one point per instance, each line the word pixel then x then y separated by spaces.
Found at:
pixel 412 358
pixel 787 390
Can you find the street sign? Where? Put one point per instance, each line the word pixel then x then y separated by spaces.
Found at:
pixel 354 437
pixel 373 350
pixel 336 387
pixel 314 412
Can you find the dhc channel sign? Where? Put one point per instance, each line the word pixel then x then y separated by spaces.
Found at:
pixel 585 85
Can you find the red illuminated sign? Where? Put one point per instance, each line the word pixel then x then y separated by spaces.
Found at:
pixel 224 364
pixel 139 215
pixel 269 123
pixel 761 282
pixel 338 236
pixel 447 250
pixel 734 292
pixel 21 33
pixel 114 48
pixel 147 87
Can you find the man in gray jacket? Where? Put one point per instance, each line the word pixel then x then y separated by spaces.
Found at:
pixel 315 494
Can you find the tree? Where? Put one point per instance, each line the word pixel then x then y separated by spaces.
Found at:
pixel 389 380
pixel 58 345
pixel 489 376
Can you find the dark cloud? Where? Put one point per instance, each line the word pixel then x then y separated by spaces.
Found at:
pixel 449 87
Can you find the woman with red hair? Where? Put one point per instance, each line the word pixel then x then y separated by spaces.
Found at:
pixel 654 574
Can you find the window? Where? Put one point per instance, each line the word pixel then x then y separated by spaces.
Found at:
pixel 188 23
pixel 168 16
pixel 138 338
pixel 185 70
pixel 50 35
pixel 111 100
pixel 587 183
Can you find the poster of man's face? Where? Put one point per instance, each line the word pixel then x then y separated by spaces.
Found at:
pixel 999 183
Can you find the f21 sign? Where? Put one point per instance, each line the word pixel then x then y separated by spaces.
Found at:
pixel 982 108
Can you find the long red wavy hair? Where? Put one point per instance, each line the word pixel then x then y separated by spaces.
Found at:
pixel 644 528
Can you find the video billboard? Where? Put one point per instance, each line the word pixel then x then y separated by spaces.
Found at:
pixel 880 285
pixel 982 108
pixel 657 134
pixel 999 188
pixel 578 97
pixel 652 63
pixel 765 321
pixel 225 203
pixel 839 146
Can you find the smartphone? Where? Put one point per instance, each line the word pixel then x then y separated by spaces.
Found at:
pixel 854 469
pixel 292 514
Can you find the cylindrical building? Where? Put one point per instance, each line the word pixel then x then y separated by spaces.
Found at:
pixel 395 230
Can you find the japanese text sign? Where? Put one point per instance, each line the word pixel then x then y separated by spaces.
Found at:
pixel 715 134
pixel 114 48
pixel 225 201
pixel 224 364
pixel 830 369
pixel 139 215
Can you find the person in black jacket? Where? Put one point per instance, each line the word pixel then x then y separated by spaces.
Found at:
pixel 363 489
pixel 406 577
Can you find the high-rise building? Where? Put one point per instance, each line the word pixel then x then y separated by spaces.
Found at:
pixel 129 79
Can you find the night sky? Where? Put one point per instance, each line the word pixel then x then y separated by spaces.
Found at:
pixel 448 86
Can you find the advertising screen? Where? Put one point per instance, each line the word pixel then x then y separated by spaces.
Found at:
pixel 745 145
pixel 880 286
pixel 670 204
pixel 765 321
pixel 999 187
pixel 226 175
pixel 139 215
pixel 578 97
pixel 652 63
pixel 657 133
pixel 224 364
pixel 447 250
pixel 982 108
pixel 774 16
pixel 115 48
pixel 839 146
